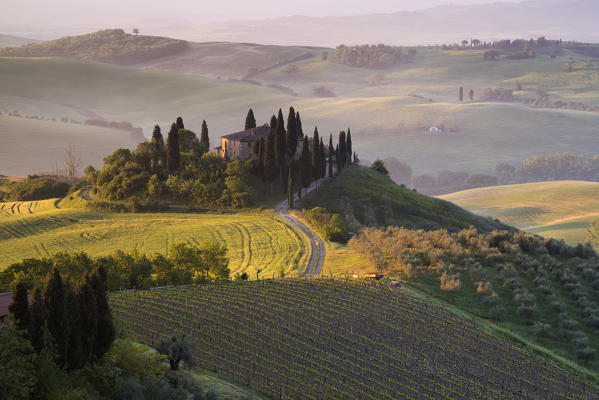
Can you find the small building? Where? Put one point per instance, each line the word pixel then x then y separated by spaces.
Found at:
pixel 374 276
pixel 434 129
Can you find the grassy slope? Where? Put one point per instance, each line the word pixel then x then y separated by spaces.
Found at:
pixel 562 209
pixel 9 40
pixel 254 239
pixel 366 197
pixel 28 146
pixel 385 120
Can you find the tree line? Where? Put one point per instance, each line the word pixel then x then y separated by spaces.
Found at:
pixel 372 56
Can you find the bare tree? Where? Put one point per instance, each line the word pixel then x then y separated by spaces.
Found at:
pixel 72 162
pixel 136 31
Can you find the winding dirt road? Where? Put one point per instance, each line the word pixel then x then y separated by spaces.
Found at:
pixel 316 261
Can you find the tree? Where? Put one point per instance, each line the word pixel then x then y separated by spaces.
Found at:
pixel 342 151
pixel 16 378
pixel 158 153
pixel 316 155
pixel 461 94
pixel 280 145
pixel 349 147
pixel 89 318
pixel 75 358
pixel 188 141
pixel 204 139
pixel 471 95
pixel 72 162
pixel 290 69
pixel 323 160
pixel 135 31
pixel 331 155
pixel 58 320
pixel 173 157
pixel 105 333
pixel 19 307
pixel 298 126
pixel 177 350
pixel 250 121
pixel 259 152
pixel 306 165
pixel 270 153
pixel 291 137
pixel 379 167
pixel 39 318
pixel 180 123
pixel 290 187
pixel 324 55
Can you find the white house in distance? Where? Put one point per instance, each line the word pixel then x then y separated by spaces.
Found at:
pixel 434 129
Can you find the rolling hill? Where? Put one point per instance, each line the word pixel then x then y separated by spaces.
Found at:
pixel 563 209
pixel 330 339
pixel 8 41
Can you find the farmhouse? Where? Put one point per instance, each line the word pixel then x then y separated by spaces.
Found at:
pixel 240 145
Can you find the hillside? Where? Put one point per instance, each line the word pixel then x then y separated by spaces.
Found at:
pixel 8 40
pixel 367 198
pixel 113 46
pixel 255 240
pixel 29 146
pixel 563 209
pixel 325 339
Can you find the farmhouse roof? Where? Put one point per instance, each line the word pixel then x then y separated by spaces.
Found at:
pixel 249 135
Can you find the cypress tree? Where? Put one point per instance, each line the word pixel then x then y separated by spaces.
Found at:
pixel 180 123
pixel 105 333
pixel 270 153
pixel 58 320
pixel 349 147
pixel 461 94
pixel 331 155
pixel 280 145
pixel 158 153
pixel 337 158
pixel 204 139
pixel 290 187
pixel 19 307
pixel 75 358
pixel 291 137
pixel 250 121
pixel 323 160
pixel 298 126
pixel 39 318
pixel 316 155
pixel 306 165
pixel 89 318
pixel 342 152
pixel 173 158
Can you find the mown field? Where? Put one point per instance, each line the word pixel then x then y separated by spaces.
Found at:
pixel 330 339
pixel 255 240
pixel 563 209
pixel 388 118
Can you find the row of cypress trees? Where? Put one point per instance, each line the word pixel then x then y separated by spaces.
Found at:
pixel 78 320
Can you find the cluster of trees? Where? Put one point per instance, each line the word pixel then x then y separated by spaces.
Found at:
pixel 179 168
pixel 372 56
pixel 504 44
pixel 111 45
pixel 135 132
pixel 330 226
pixel 185 264
pixel 541 99
pixel 34 188
pixel 280 154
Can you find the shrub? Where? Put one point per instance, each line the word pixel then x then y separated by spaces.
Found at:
pixel 379 166
pixel 496 312
pixel 451 282
pixel 332 227
pixel 586 354
pixel 36 188
pixel 542 330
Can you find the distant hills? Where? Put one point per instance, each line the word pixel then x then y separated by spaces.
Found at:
pixel 8 40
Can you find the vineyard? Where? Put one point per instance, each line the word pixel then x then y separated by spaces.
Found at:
pixel 332 339
pixel 255 240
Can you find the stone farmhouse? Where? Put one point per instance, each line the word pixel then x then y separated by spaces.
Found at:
pixel 240 145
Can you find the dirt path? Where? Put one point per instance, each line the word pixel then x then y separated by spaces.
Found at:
pixel 316 261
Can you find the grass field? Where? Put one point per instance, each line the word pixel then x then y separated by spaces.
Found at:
pixel 255 240
pixel 563 209
pixel 387 119
pixel 29 146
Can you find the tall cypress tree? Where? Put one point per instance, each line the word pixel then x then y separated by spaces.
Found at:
pixel 58 320
pixel 204 139
pixel 270 153
pixel 75 357
pixel 316 155
pixel 306 164
pixel 250 121
pixel 158 153
pixel 180 123
pixel 349 148
pixel 323 160
pixel 298 126
pixel 342 153
pixel 331 155
pixel 89 318
pixel 337 159
pixel 19 307
pixel 280 145
pixel 39 318
pixel 105 333
pixel 290 187
pixel 173 158
pixel 291 137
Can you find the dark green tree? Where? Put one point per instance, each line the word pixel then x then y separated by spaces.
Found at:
pixel 17 356
pixel 349 147
pixel 75 357
pixel 342 153
pixel 259 147
pixel 331 155
pixel 270 153
pixel 180 123
pixel 291 137
pixel 89 318
pixel 380 167
pixel 250 121
pixel 105 333
pixel 177 350
pixel 290 187
pixel 19 307
pixel 55 296
pixel 280 145
pixel 39 318
pixel 471 95
pixel 158 153
pixel 204 139
pixel 323 160
pixel 461 94
pixel 173 158
pixel 306 165
pixel 298 126
pixel 337 159
pixel 316 155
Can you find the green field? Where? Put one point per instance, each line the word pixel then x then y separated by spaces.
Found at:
pixel 255 240
pixel 387 119
pixel 563 209
pixel 30 146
